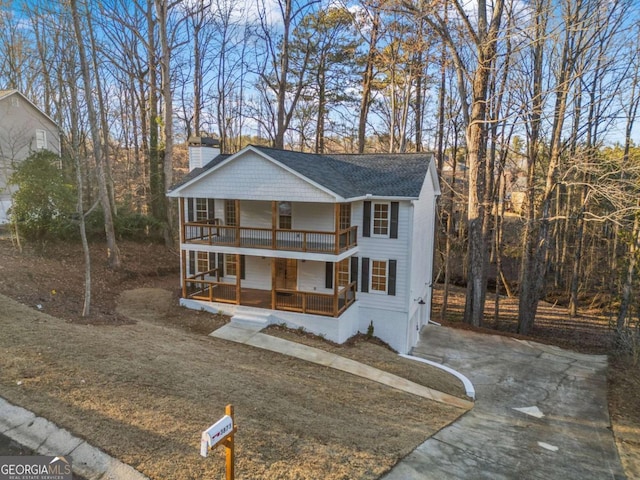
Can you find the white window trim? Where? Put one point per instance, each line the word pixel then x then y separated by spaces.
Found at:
pixel 373 218
pixel 198 211
pixel 41 139
pixel 198 260
pixel 386 273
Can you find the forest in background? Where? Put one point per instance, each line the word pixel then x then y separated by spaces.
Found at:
pixel 530 100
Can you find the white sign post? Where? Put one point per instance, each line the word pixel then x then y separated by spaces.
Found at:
pixel 221 432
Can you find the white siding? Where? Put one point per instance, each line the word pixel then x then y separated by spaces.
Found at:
pixel 305 216
pixel 257 273
pixel 254 214
pixel 200 156
pixel 311 277
pixel 252 177
pixel 422 246
pixel 388 324
pixel 313 216
pixel 376 248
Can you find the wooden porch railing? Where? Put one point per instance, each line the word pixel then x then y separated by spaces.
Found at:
pixel 197 288
pixel 316 303
pixel 277 239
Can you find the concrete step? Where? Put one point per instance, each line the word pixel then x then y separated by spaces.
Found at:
pixel 251 319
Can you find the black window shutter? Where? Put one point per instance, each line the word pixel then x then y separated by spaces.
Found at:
pixel 354 270
pixel 394 219
pixel 211 208
pixel 192 263
pixel 212 261
pixel 191 209
pixel 393 266
pixel 328 275
pixel 242 267
pixel 364 284
pixel 221 264
pixel 366 219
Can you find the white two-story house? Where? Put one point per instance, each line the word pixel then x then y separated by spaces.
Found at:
pixel 24 129
pixel 330 243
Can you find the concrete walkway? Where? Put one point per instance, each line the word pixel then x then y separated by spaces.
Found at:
pixel 250 335
pixel 540 413
pixel 40 435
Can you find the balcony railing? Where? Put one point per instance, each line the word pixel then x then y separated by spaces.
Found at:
pixel 315 303
pixel 197 288
pixel 277 239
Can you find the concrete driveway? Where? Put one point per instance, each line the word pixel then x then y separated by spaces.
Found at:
pixel 541 413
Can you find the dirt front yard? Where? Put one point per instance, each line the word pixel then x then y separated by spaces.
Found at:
pixel 141 379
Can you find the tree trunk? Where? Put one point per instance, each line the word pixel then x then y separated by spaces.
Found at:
pixel 162 13
pixel 627 288
pixel 113 254
pixel 367 81
pixel 451 230
pixel 321 108
pixel 156 184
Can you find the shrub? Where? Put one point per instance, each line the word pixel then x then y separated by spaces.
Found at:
pixel 45 202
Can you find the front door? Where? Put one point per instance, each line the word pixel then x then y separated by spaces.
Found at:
pixel 286 273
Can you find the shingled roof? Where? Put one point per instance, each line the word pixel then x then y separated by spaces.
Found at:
pixel 352 175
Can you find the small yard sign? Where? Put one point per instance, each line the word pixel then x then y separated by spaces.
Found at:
pixel 221 432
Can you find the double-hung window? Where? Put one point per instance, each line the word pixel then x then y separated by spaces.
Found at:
pixel 380 219
pixel 379 279
pixel 284 216
pixel 201 209
pixel 231 266
pixel 202 262
pixel 41 139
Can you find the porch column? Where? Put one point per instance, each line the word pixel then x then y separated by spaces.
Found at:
pixel 274 223
pixel 238 289
pixel 273 283
pixel 184 272
pixel 335 289
pixel 183 233
pixel 336 214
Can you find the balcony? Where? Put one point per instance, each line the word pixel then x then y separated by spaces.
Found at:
pixel 211 233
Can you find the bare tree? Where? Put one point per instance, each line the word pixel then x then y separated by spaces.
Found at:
pixel 113 254
pixel 284 82
pixel 484 35
pixel 580 20
pixel 372 25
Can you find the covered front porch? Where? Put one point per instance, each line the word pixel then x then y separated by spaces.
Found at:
pixel 317 288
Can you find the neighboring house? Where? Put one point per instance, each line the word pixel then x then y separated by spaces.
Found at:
pixel 328 243
pixel 24 129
